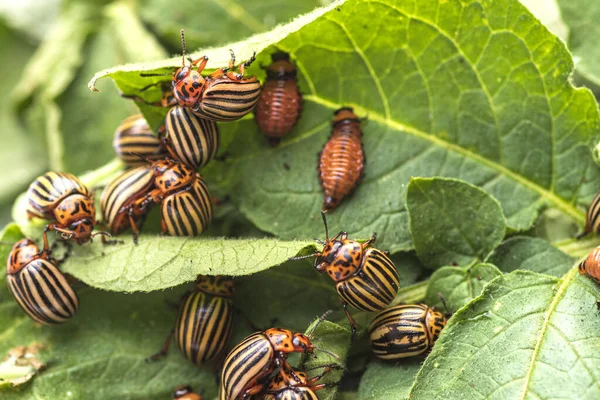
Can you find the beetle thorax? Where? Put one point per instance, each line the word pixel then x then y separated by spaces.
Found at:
pixel 188 86
pixel 221 286
pixel 172 177
pixel 23 252
pixel 340 258
pixel 74 208
pixel 281 339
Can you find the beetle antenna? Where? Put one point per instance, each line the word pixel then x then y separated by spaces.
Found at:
pixel 140 156
pixel 102 233
pixel 321 242
pixel 325 223
pixel 321 319
pixel 317 254
pixel 182 47
pixel 328 352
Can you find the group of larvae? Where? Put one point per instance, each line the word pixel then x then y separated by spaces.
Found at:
pixel 162 170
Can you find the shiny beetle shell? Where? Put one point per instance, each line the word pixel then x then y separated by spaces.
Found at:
pixel 248 366
pixel 187 212
pixel 405 330
pixel 294 384
pixel 192 140
pixel 342 159
pixel 205 319
pixel 224 99
pixel 185 392
pixel 591 265
pixel 134 137
pixel 38 286
pixel 373 286
pixel 123 192
pixel 63 199
pixel 280 103
pixel 593 216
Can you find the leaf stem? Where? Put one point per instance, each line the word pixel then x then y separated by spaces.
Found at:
pixel 578 248
pixel 414 293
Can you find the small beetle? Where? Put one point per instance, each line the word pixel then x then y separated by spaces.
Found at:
pixel 280 103
pixel 405 330
pixel 248 366
pixel 37 284
pixel 185 393
pixel 591 265
pixel 63 199
pixel 191 139
pixel 205 320
pixel 186 207
pixel 592 222
pixel 365 277
pixel 284 386
pixel 342 160
pixel 134 136
pixel 221 96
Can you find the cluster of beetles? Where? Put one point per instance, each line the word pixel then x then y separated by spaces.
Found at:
pixel 162 170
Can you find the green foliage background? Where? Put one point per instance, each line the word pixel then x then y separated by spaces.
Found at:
pixel 478 134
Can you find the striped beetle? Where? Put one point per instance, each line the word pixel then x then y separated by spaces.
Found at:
pixel 38 286
pixel 63 199
pixel 248 366
pixel 365 277
pixel 222 96
pixel 134 136
pixel 405 331
pixel 284 386
pixel 186 208
pixel 191 139
pixel 205 320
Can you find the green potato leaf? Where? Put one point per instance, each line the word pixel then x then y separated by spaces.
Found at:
pixel 458 286
pixel 452 221
pixel 582 18
pixel 526 336
pixel 442 96
pixel 533 254
pixel 160 262
pixel 388 380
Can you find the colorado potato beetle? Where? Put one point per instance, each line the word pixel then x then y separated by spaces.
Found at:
pixel 185 393
pixel 223 95
pixel 63 199
pixel 405 330
pixel 365 277
pixel 296 385
pixel 191 139
pixel 186 208
pixel 591 265
pixel 38 286
pixel 592 222
pixel 134 136
pixel 205 320
pixel 342 159
pixel 280 103
pixel 248 366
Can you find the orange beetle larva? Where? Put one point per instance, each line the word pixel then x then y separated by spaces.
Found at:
pixel 280 103
pixel 342 160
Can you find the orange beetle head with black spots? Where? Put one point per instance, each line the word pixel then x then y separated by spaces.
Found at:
pixel 187 83
pixel 341 257
pixel 284 341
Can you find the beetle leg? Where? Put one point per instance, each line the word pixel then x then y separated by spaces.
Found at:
pixel 232 60
pixel 322 386
pixel 201 62
pixel 286 369
pixel 243 66
pixel 134 228
pixel 353 324
pixel 46 251
pixel 254 390
pixel 368 242
pixel 327 369
pixel 163 350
